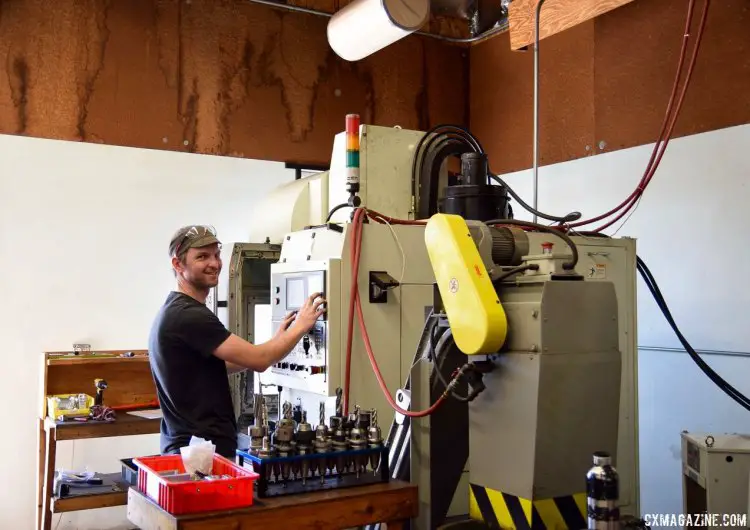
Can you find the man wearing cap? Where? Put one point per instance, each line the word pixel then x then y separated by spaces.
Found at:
pixel 191 351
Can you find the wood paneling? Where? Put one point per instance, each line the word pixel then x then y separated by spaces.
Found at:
pixel 636 62
pixel 608 80
pixel 556 16
pixel 210 76
pixel 502 93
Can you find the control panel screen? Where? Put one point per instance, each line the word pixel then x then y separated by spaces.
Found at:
pixel 295 293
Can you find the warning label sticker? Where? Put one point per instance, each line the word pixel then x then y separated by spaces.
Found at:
pixel 598 271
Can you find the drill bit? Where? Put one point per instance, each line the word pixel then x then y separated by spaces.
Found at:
pixel 374 440
pixel 339 409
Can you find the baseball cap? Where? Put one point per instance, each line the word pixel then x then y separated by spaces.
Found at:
pixel 195 236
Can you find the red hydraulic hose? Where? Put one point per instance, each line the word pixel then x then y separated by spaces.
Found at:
pixel 357 224
pixel 381 382
pixel 644 180
pixel 355 252
pixel 672 123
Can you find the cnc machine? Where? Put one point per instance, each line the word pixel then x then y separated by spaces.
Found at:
pixel 542 342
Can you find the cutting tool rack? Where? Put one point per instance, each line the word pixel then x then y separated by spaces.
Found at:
pixel 289 475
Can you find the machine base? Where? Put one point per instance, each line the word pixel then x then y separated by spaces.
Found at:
pixel 502 510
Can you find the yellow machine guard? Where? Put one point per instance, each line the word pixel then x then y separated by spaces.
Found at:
pixel 475 314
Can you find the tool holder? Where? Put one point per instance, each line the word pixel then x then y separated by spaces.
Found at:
pixel 271 484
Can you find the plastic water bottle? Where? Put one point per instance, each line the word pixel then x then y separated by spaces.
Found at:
pixel 603 493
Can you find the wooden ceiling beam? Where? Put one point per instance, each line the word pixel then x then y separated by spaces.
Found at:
pixel 556 16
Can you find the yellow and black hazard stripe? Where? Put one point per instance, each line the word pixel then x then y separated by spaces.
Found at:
pixel 501 510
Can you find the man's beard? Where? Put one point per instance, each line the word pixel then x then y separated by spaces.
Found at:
pixel 204 281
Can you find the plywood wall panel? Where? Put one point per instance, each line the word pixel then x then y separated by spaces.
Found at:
pixel 502 93
pixel 611 84
pixel 634 81
pixel 209 76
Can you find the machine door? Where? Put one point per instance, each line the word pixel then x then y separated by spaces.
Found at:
pixel 249 287
pixel 249 284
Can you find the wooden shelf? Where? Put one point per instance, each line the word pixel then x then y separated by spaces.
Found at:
pixel 95 500
pixel 67 361
pixel 125 425
pixel 129 382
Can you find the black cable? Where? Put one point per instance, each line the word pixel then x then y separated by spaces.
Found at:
pixel 436 152
pixel 439 358
pixel 707 370
pixel 721 383
pixel 439 132
pixel 515 270
pixel 433 134
pixel 446 133
pixel 568 265
pixel 569 218
pixel 337 208
pixel 650 281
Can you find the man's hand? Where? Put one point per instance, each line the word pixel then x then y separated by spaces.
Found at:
pixel 285 323
pixel 310 312
pixel 240 352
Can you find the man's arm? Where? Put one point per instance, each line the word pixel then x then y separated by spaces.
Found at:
pixel 245 355
pixel 259 358
pixel 234 368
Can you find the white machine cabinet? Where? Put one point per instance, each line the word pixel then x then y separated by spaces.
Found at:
pixel 715 477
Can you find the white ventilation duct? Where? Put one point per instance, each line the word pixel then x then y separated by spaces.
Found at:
pixel 367 26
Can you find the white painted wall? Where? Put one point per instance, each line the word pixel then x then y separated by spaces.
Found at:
pixel 84 231
pixel 691 230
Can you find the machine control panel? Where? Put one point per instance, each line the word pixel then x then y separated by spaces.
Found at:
pixel 308 358
pixel 290 290
pixel 306 365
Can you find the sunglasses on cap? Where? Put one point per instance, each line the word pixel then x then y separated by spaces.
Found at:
pixel 196 237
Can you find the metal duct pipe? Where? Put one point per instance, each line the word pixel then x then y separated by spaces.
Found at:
pixel 536 108
pixel 501 27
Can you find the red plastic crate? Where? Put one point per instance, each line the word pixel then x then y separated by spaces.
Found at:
pixel 195 496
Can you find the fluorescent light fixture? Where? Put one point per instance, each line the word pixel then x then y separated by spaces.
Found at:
pixel 367 26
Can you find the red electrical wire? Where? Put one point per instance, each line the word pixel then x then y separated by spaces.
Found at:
pixel 650 167
pixel 358 223
pixel 634 198
pixel 384 219
pixel 355 252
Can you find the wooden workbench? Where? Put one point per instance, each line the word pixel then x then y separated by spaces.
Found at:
pixel 393 503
